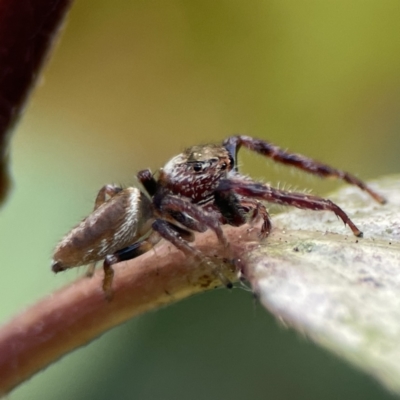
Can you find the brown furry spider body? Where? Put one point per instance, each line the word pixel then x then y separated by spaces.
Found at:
pixel 197 190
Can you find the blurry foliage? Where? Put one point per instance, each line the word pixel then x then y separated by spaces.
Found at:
pixel 132 83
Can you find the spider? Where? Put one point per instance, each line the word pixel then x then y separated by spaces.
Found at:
pixel 196 190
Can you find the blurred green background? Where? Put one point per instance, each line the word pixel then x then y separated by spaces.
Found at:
pixel 131 84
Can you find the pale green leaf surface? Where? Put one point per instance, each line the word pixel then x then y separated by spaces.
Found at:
pixel 338 290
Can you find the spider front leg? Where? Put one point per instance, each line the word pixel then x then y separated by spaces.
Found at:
pixel 193 217
pixel 173 235
pixel 237 211
pixel 300 200
pixel 170 206
pixel 233 144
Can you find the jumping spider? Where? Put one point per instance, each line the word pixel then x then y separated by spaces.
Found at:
pixel 196 190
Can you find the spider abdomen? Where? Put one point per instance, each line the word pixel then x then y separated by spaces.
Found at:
pixel 115 224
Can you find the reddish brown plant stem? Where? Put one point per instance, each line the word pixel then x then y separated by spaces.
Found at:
pixel 78 313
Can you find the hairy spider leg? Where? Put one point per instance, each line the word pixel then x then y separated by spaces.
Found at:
pixel 167 231
pixel 299 200
pixel 238 211
pixel 196 219
pixel 234 143
pixel 106 190
pixel 199 219
pixel 175 209
pixel 229 205
pixel 146 178
pixel 258 210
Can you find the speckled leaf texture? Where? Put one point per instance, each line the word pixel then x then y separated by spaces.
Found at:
pixel 340 291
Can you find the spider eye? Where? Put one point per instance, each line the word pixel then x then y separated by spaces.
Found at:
pixel 223 166
pixel 197 167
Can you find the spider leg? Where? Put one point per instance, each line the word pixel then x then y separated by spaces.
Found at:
pixel 146 178
pixel 258 210
pixel 234 143
pixel 299 200
pixel 168 232
pixel 236 210
pixel 199 220
pixel 106 190
pixel 228 204
pixel 192 217
pixel 127 253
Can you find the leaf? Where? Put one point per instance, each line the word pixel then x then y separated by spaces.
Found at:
pixel 341 291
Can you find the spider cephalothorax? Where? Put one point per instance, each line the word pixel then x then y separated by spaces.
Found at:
pixel 196 190
pixel 196 172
